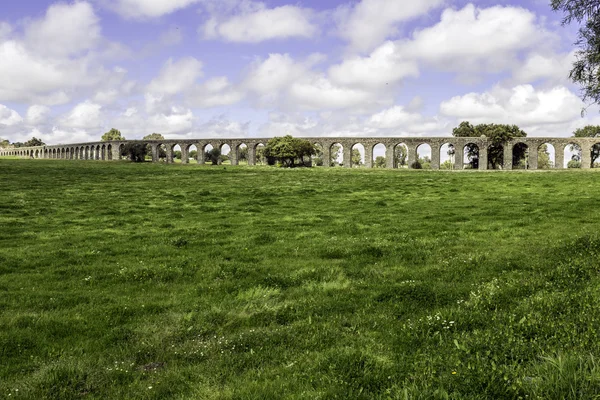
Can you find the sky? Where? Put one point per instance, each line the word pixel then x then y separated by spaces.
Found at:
pixel 70 71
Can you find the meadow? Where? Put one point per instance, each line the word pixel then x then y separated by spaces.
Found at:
pixel 153 281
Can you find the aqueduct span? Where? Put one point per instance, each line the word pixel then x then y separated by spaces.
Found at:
pixel 112 150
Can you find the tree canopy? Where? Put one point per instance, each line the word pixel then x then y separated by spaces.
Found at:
pixel 113 134
pixel 586 69
pixel 34 142
pixel 162 151
pixel 499 135
pixel 592 131
pixel 287 150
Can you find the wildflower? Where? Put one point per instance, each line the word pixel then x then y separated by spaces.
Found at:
pixel 453 372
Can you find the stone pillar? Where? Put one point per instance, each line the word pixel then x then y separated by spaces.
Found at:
pixel 185 154
pixel 586 156
pixel 154 150
pixel 251 155
pixel 508 150
pixel 559 157
pixel 347 156
pixel 533 157
pixel 435 156
pixel 326 155
pixel 389 157
pixel 483 157
pixel 233 154
pixel 368 156
pixel 411 155
pixel 169 154
pixel 459 157
pixel 116 152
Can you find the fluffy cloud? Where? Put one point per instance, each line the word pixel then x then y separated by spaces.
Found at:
pixel 214 92
pixel 261 23
pixel 176 76
pixel 66 29
pixel 477 40
pixel 147 8
pixel 384 66
pixel 370 22
pixel 84 116
pixel 37 114
pixel 178 121
pixel 553 67
pixel 9 117
pixel 522 105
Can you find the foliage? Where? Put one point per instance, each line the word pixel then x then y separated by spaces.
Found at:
pixel 591 131
pixel 356 158
pixel 499 135
pixel 380 162
pixel 113 134
pixel 136 152
pixel 400 156
pixel 309 286
pixel 243 154
pixel 447 165
pixel 586 69
pixel 288 150
pixel 162 151
pixel 4 143
pixel 34 142
pixel 574 163
pixel 213 156
pixel 544 158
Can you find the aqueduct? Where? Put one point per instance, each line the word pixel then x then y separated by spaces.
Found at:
pixel 112 150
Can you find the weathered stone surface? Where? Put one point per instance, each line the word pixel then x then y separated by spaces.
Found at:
pixel 111 150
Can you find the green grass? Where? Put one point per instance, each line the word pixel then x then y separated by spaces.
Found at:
pixel 124 281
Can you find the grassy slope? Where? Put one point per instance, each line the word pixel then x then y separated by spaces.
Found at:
pixel 153 281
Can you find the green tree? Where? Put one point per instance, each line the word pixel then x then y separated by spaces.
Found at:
pixel 288 150
pixel 213 156
pixel 498 134
pixel 162 151
pixel 113 134
pixel 356 158
pixel 4 143
pixel 544 158
pixel 335 153
pixel 34 142
pixel 400 155
pixel 136 152
pixel 586 69
pixel 380 162
pixel 590 131
pixel 447 165
pixel 243 154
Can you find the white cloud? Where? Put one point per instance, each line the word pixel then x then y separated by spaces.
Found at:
pixel 321 93
pixel 65 30
pixel 37 114
pixel 83 116
pixel 261 23
pixel 147 8
pixel 474 40
pixel 370 22
pixel 215 92
pixel 9 117
pixel 178 121
pixel 175 77
pixel 522 105
pixel 384 66
pixel 553 67
pixel 5 30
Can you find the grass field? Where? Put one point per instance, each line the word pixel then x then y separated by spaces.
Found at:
pixel 124 281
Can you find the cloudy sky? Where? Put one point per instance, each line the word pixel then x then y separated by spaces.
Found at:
pixel 70 71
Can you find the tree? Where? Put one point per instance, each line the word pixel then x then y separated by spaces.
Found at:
pixel 34 142
pixel 544 158
pixel 113 134
pixel 380 162
pixel 592 131
pixel 586 69
pixel 356 158
pixel 136 152
pixel 498 134
pixel 243 154
pixel 162 151
pixel 4 143
pixel 400 155
pixel 288 150
pixel 335 153
pixel 213 156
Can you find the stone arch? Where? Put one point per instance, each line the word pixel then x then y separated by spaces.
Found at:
pixel 259 157
pixel 447 155
pixel 97 153
pixel 317 158
pixel 109 152
pixel 241 153
pixel 225 149
pixel 520 156
pixel 471 155
pixel 546 156
pixel 573 155
pixel 401 155
pixel 68 153
pixel 121 149
pixel 336 150
pixel 357 155
pixel 191 151
pixel 378 155
pixel 424 152
pixel 176 153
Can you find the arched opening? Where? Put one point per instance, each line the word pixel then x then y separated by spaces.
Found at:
pixel 447 156
pixel 520 156
pixel 379 160
pixel 212 155
pixel 37 154
pixel 423 160
pixel 358 155
pixel 496 156
pixel 317 158
pixel 122 154
pixel 109 154
pixel 103 153
pixel 92 152
pixel 401 156
pixel 192 151
pixel 97 154
pixel 225 154
pixel 595 156
pixel 336 152
pixel 54 156
pixel 176 152
pixel 259 152
pixel 242 154
pixel 572 156
pixel 546 156
pixel 471 156
pixel 68 153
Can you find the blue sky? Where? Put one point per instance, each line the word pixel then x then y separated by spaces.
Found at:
pixel 70 71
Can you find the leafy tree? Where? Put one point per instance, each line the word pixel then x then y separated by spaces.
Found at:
pixel 400 155
pixel 335 153
pixel 213 156
pixel 590 131
pixel 34 142
pixel 162 151
pixel 544 158
pixel 4 143
pixel 498 134
pixel 586 69
pixel 260 155
pixel 574 164
pixel 243 154
pixel 380 162
pixel 287 150
pixel 356 158
pixel 193 154
pixel 447 165
pixel 177 154
pixel 136 152
pixel 113 134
